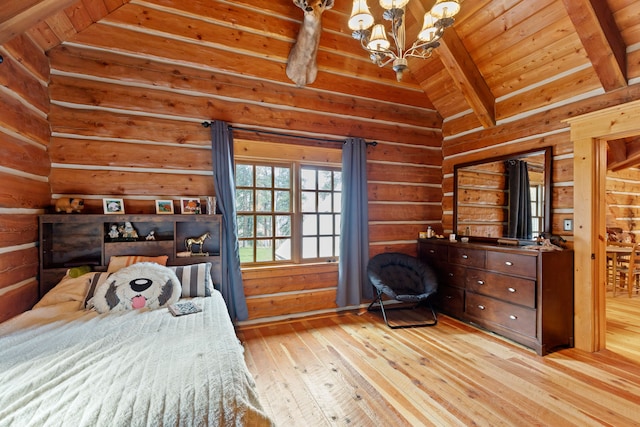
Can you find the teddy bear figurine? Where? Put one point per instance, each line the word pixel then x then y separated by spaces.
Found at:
pixel 69 205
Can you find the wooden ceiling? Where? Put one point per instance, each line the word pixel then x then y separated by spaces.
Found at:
pixel 504 59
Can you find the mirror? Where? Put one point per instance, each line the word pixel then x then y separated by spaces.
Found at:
pixel 491 200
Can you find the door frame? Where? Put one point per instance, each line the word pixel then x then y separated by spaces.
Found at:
pixel 589 135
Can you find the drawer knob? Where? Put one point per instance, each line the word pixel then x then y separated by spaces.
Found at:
pixel 512 290
pixel 481 307
pixel 465 256
pixel 513 317
pixel 432 251
pixel 450 274
pixel 449 297
pixel 480 282
pixel 509 263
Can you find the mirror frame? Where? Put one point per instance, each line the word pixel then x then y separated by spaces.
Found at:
pixel 548 175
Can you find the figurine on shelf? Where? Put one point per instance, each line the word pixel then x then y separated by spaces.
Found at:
pixel 113 232
pixel 151 235
pixel 128 232
pixel 190 241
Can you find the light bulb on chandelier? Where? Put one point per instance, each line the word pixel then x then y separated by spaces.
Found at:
pixel 374 40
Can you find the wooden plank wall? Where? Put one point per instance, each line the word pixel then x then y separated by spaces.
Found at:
pixel 126 122
pixel 24 170
pixel 623 200
pixel 532 130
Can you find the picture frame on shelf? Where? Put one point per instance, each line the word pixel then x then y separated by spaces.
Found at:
pixel 164 207
pixel 190 206
pixel 113 206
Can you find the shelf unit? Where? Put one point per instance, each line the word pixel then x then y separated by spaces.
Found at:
pixel 72 240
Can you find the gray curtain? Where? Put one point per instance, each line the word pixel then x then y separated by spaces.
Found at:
pixel 353 284
pixel 519 225
pixel 224 181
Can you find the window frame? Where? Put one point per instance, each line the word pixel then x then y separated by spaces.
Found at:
pixel 295 167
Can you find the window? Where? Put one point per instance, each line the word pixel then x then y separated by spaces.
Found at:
pixel 537 208
pixel 287 212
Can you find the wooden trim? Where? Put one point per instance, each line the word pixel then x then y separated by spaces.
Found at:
pixel 589 134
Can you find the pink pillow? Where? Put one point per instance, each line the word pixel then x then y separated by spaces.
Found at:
pixel 118 262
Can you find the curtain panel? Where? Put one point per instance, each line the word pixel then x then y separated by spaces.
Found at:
pixel 353 283
pixel 224 181
pixel 519 224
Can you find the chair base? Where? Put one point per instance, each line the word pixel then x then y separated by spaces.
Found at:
pixel 380 307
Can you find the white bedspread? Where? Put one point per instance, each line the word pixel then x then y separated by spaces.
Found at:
pixel 60 366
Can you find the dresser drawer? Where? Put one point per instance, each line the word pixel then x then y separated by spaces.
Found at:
pixel 450 301
pixel 485 309
pixel 433 252
pixel 516 290
pixel 522 265
pixel 467 256
pixel 452 275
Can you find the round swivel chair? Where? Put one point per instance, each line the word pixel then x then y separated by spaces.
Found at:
pixel 405 279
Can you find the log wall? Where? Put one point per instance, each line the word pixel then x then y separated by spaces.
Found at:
pixel 623 201
pixel 24 170
pixel 127 124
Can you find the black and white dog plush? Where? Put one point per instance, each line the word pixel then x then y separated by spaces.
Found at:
pixel 145 284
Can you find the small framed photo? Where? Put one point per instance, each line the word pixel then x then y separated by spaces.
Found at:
pixel 190 206
pixel 164 207
pixel 113 206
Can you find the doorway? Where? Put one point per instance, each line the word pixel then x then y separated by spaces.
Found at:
pixel 589 135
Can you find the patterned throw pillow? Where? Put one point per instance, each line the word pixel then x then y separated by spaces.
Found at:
pixel 141 285
pixel 195 279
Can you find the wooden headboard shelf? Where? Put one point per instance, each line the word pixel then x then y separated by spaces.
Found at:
pixel 68 240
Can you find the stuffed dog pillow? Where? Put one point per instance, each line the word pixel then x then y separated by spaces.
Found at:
pixel 145 284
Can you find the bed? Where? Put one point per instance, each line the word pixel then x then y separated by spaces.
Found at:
pixel 65 364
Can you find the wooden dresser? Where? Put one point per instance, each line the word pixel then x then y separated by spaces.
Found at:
pixel 523 294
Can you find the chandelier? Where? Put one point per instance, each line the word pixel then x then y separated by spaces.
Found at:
pixel 375 40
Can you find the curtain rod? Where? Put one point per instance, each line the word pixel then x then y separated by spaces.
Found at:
pixel 311 138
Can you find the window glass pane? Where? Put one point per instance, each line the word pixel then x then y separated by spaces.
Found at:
pixel 309 225
pixel 282 177
pixel 308 201
pixel 283 201
pixel 337 246
pixel 338 225
pixel 283 225
pixel 309 247
pixel 246 250
pixel 264 226
pixel 326 246
pixel 326 224
pixel 283 249
pixel 264 250
pixel 324 180
pixel 244 200
pixel 264 176
pixel 337 181
pixel 337 202
pixel 244 176
pixel 308 179
pixel 245 226
pixel 263 201
pixel 324 202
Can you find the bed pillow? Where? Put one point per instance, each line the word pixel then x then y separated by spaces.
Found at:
pixel 96 280
pixel 118 262
pixel 144 284
pixel 68 289
pixel 195 279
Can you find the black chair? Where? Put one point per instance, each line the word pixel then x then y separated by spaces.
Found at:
pixel 403 278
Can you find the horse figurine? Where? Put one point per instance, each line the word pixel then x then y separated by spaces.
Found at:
pixel 190 241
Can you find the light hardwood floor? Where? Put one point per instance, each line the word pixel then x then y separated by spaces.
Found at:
pixel 351 370
pixel 623 326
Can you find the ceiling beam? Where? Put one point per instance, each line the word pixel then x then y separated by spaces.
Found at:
pixel 601 38
pixel 467 77
pixel 20 15
pixel 623 153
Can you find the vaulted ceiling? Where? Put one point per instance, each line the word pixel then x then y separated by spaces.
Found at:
pixel 503 59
